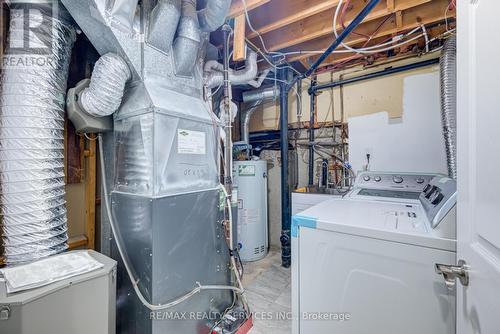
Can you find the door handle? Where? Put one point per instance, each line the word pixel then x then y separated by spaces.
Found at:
pixel 451 273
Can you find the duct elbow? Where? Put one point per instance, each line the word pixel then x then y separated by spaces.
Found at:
pixel 258 82
pixel 249 110
pixel 104 95
pixel 214 75
pixel 213 15
pixel 188 39
pixel 163 24
pixel 248 73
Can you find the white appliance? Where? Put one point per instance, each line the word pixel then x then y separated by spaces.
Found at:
pixel 82 304
pixel 304 200
pixel 387 186
pixel 251 179
pixel 366 263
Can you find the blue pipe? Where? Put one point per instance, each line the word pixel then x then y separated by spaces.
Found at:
pixel 286 220
pixel 284 89
pixel 312 112
pixel 393 70
pixel 359 18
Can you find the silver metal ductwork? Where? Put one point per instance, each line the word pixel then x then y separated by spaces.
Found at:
pixel 247 113
pixel 214 72
pixel 213 15
pixel 104 95
pixel 163 24
pixel 32 99
pixel 448 63
pixel 261 94
pixel 187 42
pixel 252 100
pixel 162 166
pixel 121 13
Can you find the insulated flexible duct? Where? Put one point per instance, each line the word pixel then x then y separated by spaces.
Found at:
pixel 214 75
pixel 32 100
pixel 448 63
pixel 104 95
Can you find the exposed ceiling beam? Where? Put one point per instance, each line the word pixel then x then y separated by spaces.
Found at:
pixel 321 24
pixel 239 43
pixel 238 7
pixel 412 18
pixel 280 13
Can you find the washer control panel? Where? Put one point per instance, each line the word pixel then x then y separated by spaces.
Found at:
pixel 393 181
pixel 438 198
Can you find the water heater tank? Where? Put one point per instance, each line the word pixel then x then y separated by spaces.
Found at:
pixel 251 179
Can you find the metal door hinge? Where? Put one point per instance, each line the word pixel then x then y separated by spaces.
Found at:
pixel 451 273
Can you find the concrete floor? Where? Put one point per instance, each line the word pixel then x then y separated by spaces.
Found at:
pixel 268 290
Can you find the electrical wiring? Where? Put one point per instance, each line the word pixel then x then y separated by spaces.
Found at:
pixel 232 257
pixel 299 98
pixel 372 49
pixel 451 5
pixel 426 36
pixel 222 315
pixel 249 22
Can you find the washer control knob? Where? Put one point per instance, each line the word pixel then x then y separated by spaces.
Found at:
pixel 377 179
pixel 367 178
pixel 420 180
pixel 397 179
pixel 436 198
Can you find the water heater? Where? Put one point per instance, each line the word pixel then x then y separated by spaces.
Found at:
pixel 251 180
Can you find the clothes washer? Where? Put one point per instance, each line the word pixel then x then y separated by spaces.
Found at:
pixel 361 265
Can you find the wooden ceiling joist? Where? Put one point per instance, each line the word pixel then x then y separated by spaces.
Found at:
pixel 307 25
pixel 238 6
pixel 411 18
pixel 281 13
pixel 321 24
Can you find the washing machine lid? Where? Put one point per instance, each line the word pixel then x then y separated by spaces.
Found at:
pixel 398 222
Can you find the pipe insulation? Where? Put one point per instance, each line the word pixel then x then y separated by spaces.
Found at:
pixel 448 73
pixel 32 101
pixel 213 15
pixel 104 95
pixel 214 72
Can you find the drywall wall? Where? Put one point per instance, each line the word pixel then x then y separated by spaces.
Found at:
pixel 410 143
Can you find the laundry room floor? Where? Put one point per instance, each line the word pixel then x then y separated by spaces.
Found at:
pixel 268 290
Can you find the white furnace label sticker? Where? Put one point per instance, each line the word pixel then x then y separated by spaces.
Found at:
pixel 191 142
